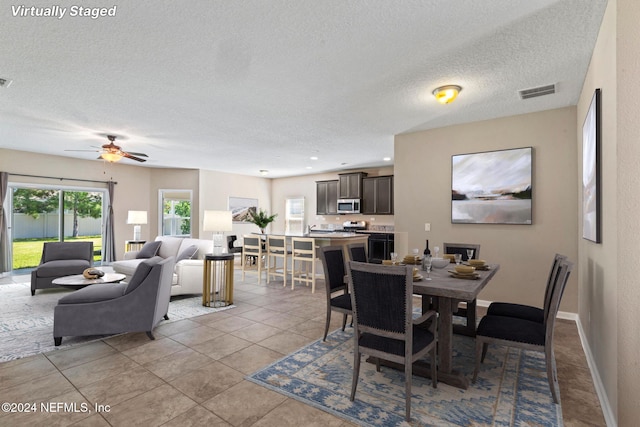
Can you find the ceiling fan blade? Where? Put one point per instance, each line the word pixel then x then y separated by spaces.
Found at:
pixel 137 154
pixel 91 151
pixel 137 159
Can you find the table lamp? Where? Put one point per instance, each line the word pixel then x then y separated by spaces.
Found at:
pixel 136 218
pixel 218 222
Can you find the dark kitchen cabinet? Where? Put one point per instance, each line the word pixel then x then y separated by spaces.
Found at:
pixel 350 185
pixel 327 197
pixel 377 195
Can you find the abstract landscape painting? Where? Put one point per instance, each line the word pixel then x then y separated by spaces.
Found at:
pixel 240 208
pixel 493 187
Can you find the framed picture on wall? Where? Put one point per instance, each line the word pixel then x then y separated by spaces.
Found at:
pixel 240 208
pixel 492 187
pixel 591 171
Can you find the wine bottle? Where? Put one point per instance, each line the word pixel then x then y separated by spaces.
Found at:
pixel 427 251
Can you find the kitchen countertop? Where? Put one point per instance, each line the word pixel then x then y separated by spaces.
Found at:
pixel 320 235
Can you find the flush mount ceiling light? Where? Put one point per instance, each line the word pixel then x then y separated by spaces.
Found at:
pixel 446 94
pixel 263 172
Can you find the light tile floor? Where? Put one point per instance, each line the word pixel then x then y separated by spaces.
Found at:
pixel 193 373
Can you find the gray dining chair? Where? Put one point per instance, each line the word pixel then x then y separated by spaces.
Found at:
pixel 338 298
pixel 381 297
pixel 357 252
pixel 527 312
pixel 526 334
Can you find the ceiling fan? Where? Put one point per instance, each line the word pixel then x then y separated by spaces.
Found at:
pixel 113 153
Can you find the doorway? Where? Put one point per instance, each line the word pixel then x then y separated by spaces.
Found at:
pixel 42 214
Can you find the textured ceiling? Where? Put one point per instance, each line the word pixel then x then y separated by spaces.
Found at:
pixel 265 84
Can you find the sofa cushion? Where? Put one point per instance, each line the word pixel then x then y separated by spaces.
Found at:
pixel 93 293
pixel 149 250
pixel 187 253
pixel 61 268
pixel 204 246
pixel 170 246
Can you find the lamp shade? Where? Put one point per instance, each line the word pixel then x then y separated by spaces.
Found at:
pixel 137 217
pixel 217 221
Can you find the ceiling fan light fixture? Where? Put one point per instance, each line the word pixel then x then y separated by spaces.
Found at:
pixel 446 94
pixel 111 157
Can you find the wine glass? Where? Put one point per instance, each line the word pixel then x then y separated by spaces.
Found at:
pixel 436 251
pixel 426 265
pixel 469 254
pixel 457 258
pixel 416 256
pixel 394 257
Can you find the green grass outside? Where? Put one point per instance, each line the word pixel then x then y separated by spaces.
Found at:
pixel 27 252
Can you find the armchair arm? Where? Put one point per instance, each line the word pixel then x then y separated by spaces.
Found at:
pixel 425 317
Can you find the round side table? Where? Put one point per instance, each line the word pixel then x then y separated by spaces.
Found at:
pixel 217 281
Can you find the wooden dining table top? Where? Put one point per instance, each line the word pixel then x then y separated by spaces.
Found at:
pixel 443 284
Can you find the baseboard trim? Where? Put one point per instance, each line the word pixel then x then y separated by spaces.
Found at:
pixel 609 417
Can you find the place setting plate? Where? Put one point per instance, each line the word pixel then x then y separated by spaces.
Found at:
pixel 468 276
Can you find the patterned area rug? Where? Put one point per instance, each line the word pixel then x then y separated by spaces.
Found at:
pixel 26 325
pixel 511 390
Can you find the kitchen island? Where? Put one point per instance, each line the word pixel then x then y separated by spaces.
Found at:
pixel 333 238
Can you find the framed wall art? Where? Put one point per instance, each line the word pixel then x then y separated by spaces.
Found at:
pixel 591 171
pixel 492 187
pixel 240 207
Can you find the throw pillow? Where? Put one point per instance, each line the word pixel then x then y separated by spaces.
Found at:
pixel 149 250
pixel 189 253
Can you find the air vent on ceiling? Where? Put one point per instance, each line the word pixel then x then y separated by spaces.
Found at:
pixel 537 91
pixel 5 82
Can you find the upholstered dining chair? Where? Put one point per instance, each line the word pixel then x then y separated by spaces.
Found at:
pixel 303 261
pixel 528 312
pixel 526 334
pixel 252 249
pixel 334 272
pixel 357 252
pixel 381 297
pixel 469 310
pixel 277 253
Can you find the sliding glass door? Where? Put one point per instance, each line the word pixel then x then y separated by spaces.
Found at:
pixel 53 214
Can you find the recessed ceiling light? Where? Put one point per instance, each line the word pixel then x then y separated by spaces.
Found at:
pixel 263 171
pixel 387 159
pixel 313 158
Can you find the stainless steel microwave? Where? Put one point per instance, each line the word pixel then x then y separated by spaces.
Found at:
pixel 348 206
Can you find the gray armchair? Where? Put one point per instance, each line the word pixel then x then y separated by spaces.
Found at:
pixel 104 309
pixel 60 259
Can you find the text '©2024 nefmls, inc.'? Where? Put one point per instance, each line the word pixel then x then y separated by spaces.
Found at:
pixel 60 12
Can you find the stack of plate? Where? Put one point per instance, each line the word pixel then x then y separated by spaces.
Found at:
pixel 412 259
pixel 479 264
pixel 464 272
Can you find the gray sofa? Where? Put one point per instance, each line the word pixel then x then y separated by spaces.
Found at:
pixel 60 259
pixel 187 274
pixel 104 309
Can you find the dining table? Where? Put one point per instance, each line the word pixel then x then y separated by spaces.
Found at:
pixel 446 291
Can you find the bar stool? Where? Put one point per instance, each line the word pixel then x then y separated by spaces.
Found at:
pixel 252 248
pixel 304 251
pixel 277 249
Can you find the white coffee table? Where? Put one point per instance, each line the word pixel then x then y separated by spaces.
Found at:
pixel 78 281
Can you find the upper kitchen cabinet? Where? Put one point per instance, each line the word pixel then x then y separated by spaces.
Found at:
pixel 327 197
pixel 377 195
pixel 350 185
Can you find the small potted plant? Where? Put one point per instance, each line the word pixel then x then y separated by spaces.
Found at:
pixel 261 219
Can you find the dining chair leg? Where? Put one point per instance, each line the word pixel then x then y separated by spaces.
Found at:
pixel 485 347
pixel 344 320
pixel 326 326
pixel 356 372
pixel 434 368
pixel 407 387
pixel 551 371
